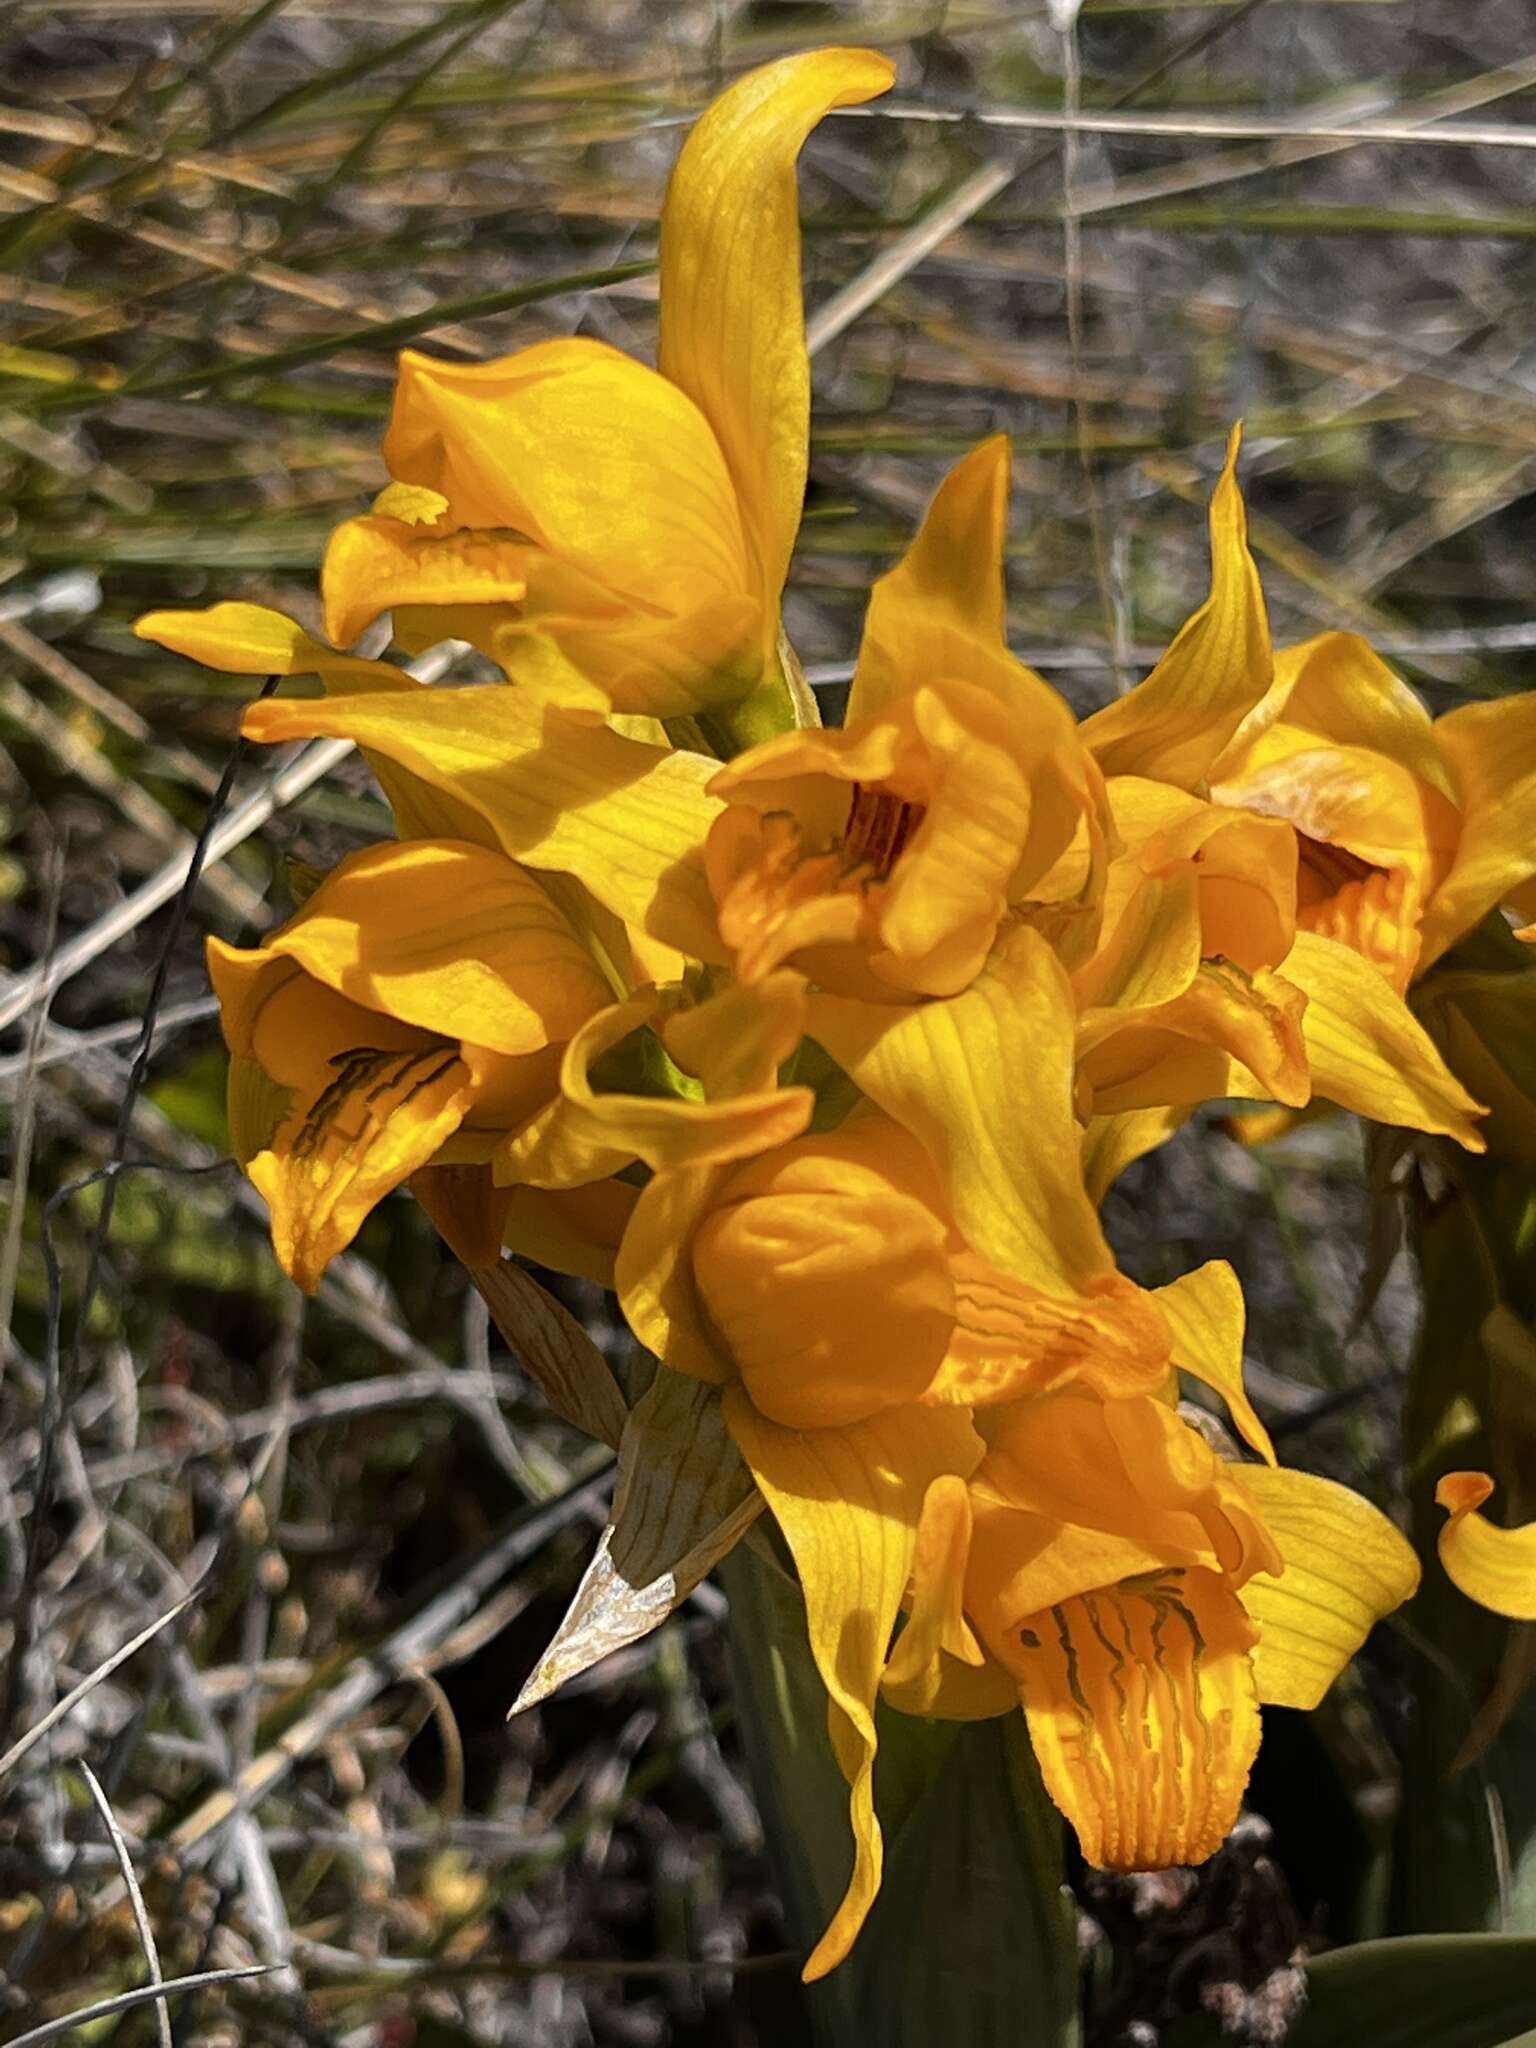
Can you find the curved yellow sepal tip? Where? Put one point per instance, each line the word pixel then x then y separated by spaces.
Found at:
pixel 1175 724
pixel 1345 1565
pixel 732 319
pixel 242 639
pixel 1493 1566
pixel 1368 1052
pixel 848 1502
pixel 941 611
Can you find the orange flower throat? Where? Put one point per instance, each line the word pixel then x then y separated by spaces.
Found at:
pixel 879 826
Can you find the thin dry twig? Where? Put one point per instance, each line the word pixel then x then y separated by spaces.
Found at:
pixel 301 771
pixel 88 1684
pixel 125 2001
pixel 405 1652
pixel 135 1899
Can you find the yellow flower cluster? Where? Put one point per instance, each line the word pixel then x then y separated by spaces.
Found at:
pixel 822 1046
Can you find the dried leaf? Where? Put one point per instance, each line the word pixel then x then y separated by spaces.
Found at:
pixel 683 1498
pixel 547 1340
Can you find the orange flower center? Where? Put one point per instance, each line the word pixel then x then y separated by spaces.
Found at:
pixel 879 825
pixel 1324 870
pixel 1373 910
pixel 775 896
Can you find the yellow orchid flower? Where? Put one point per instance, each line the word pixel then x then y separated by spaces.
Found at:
pixel 1146 1598
pixel 1254 797
pixel 1496 1567
pixel 881 859
pixel 1139 1598
pixel 1205 985
pixel 823 1281
pixel 862 1294
pixel 985 1084
pixel 615 534
pixel 413 1010
pixel 1408 829
pixel 1343 750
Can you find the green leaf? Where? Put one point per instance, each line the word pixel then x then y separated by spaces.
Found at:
pixel 973 1929
pixel 1420 1991
pixel 972 1940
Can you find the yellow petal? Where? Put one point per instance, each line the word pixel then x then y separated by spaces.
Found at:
pixel 825 1270
pixel 1365 1050
pixel 1011 1340
pixel 937 1667
pixel 250 640
pixel 654 1277
pixel 941 611
pixel 1345 797
pixel 732 320
pixel 619 581
pixel 1491 749
pixel 1338 687
pixel 732 1045
pixel 384 1115
pixel 454 938
pixel 1182 1050
pixel 1143 1716
pixel 1176 722
pixel 985 1082
pixel 372 565
pixel 1072 1469
pixel 570 1230
pixel 945 898
pixel 848 1502
pixel 510 444
pixel 1022 1560
pixel 1244 866
pixel 1151 948
pixel 1345 1567
pixel 1495 1567
pixel 1111 1143
pixel 582 656
pixel 1206 1314
pixel 629 821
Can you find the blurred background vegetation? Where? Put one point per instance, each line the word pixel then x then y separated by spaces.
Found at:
pixel 219 219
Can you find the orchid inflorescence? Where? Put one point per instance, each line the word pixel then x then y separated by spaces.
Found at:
pixel 823 1046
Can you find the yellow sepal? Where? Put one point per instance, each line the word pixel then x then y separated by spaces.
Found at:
pixel 1345 1567
pixel 732 321
pixel 629 821
pixel 849 1502
pixel 1177 721
pixel 1493 1566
